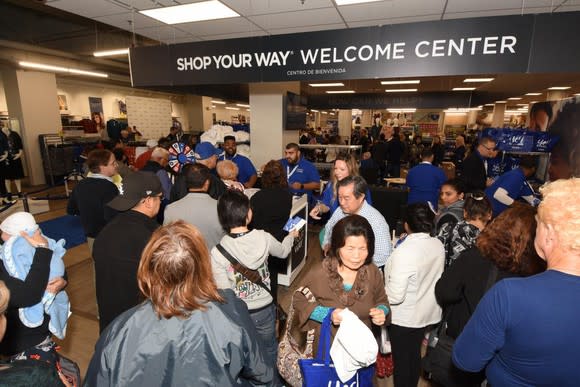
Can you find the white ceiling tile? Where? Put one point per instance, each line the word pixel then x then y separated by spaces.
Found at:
pixel 149 4
pixel 392 9
pixel 263 7
pixel 162 33
pixel 487 5
pixel 184 40
pixel 123 20
pixel 397 20
pixel 249 34
pixel 223 26
pixel 89 8
pixel 310 18
pixel 295 30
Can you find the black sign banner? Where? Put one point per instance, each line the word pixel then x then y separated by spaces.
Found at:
pixel 451 47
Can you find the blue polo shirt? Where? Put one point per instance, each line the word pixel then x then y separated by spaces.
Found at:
pixel 514 182
pixel 245 167
pixel 424 182
pixel 303 172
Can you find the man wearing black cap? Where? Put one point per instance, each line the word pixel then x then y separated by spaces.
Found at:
pixel 119 245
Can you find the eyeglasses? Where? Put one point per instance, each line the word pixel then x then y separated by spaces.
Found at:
pixel 488 148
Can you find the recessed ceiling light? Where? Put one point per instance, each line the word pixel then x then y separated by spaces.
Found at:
pixel 120 51
pixel 340 91
pixel 402 110
pixel 350 2
pixel 467 80
pixel 218 102
pixel 559 88
pixel 407 82
pixel 533 93
pixel 242 105
pixel 232 108
pixel 514 98
pixel 463 88
pixel 335 84
pixel 41 66
pixel 400 90
pixel 500 101
pixel 194 12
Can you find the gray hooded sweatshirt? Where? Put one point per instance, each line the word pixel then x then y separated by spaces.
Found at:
pixel 251 250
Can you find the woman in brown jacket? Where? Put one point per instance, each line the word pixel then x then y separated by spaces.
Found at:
pixel 346 279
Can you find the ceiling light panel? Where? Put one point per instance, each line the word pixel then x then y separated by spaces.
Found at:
pixel 351 2
pixel 335 84
pixel 559 88
pixel 469 80
pixel 120 51
pixel 514 98
pixel 533 93
pixel 46 67
pixel 194 12
pixel 407 82
pixel 400 90
pixel 340 92
pixel 463 88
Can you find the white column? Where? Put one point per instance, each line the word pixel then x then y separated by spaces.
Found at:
pixel 31 97
pixel 498 115
pixel 345 124
pixel 267 135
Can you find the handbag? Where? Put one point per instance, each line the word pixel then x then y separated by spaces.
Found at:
pixel 255 277
pixel 437 363
pixel 320 371
pixel 289 351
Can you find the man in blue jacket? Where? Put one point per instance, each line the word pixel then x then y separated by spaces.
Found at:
pixel 425 180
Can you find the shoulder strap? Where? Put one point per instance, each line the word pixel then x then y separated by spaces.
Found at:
pixel 250 274
pixel 311 299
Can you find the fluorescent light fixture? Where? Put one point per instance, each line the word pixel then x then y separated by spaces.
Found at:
pixel 522 104
pixel 463 88
pixel 314 110
pixel 350 2
pixel 232 108
pixel 407 82
pixel 559 88
pixel 40 66
pixel 335 84
pixel 194 12
pixel 456 110
pixel 247 110
pixel 402 110
pixel 577 94
pixel 242 105
pixel 533 102
pixel 400 90
pixel 467 80
pixel 218 102
pixel 340 91
pixel 332 113
pixel 489 104
pixel 213 106
pixel 500 101
pixel 533 94
pixel 514 99
pixel 323 112
pixel 120 51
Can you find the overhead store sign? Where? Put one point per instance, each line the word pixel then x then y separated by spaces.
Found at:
pixel 452 47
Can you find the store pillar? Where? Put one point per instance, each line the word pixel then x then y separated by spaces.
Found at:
pixel 345 124
pixel 31 98
pixel 498 115
pixel 199 112
pixel 267 135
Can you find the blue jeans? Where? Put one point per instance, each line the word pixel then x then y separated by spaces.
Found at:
pixel 265 323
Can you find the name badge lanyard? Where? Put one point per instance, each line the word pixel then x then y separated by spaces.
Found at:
pixel 290 172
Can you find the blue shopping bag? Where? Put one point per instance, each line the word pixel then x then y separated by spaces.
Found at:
pixel 320 372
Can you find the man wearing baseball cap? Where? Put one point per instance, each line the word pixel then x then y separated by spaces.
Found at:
pixel 119 245
pixel 207 154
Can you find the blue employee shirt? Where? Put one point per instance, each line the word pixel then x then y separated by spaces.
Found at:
pixel 525 331
pixel 245 167
pixel 514 182
pixel 332 202
pixel 303 172
pixel 424 182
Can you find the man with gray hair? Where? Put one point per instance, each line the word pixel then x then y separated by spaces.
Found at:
pixel 156 164
pixel 351 197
